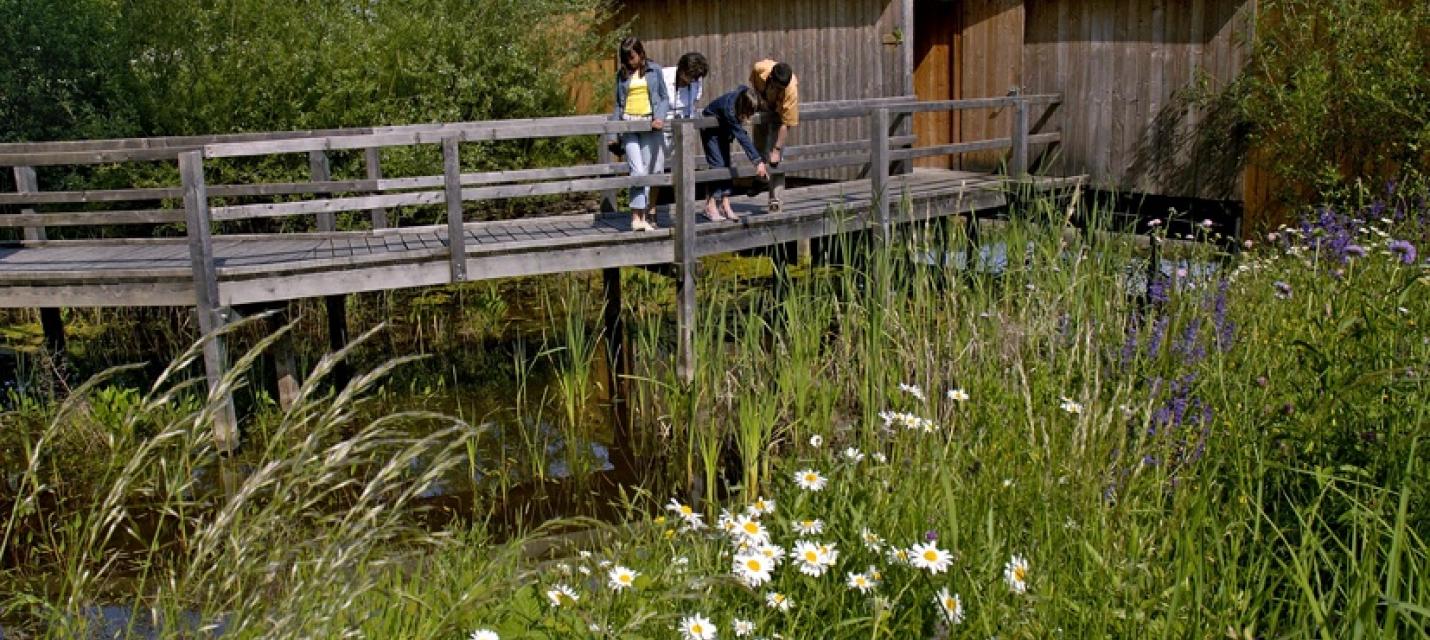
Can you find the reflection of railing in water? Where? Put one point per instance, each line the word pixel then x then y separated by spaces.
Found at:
pixel 220 272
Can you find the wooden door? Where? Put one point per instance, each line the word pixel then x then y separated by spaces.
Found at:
pixel 937 75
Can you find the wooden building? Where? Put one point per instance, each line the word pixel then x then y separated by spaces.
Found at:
pixel 1139 78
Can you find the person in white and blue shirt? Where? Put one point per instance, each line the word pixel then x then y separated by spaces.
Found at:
pixel 684 84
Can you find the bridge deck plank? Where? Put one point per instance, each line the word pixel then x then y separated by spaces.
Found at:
pixel 270 267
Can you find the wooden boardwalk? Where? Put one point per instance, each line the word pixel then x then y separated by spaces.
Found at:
pixel 215 271
pixel 271 267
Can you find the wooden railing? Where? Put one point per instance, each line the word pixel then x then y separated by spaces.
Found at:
pixel 872 157
pixel 379 193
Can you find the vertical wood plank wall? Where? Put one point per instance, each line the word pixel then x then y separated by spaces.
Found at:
pixel 839 50
pixel 1130 72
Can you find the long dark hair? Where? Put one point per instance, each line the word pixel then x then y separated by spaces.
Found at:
pixel 628 46
pixel 748 103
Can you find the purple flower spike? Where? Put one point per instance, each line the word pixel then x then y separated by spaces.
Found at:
pixel 1283 290
pixel 1404 250
pixel 930 535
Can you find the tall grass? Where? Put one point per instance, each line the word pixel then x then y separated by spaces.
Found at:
pixel 1213 445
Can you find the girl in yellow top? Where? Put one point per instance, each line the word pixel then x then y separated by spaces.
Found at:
pixel 641 95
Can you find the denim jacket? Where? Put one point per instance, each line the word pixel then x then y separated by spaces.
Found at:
pixel 655 82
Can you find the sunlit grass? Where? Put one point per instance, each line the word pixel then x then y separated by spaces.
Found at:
pixel 1220 456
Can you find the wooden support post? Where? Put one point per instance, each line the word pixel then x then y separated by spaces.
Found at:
pixel 879 171
pixel 617 364
pixel 608 197
pixel 211 316
pixel 456 232
pixel 683 177
pixel 321 171
pixel 285 367
pixel 372 158
pixel 1018 159
pixel 50 322
pixel 337 308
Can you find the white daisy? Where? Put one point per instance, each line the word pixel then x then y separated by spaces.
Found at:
pixel 816 441
pixel 809 527
pixel 880 458
pixel 1016 574
pixel 929 556
pixel 811 558
pixel 726 522
pixel 871 540
pixel 621 578
pixel 853 455
pixel 559 594
pixel 958 395
pixel 742 628
pixel 1069 406
pixel 753 569
pixel 693 520
pixel 774 553
pixel 484 634
pixel 950 604
pixel 750 532
pixel 913 390
pixel 874 574
pixel 862 582
pixel 761 506
pixel 697 627
pixel 778 601
pixel 899 555
pixel 810 480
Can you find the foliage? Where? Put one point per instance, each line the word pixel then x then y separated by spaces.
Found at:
pixel 1339 91
pixel 1255 467
pixel 65 73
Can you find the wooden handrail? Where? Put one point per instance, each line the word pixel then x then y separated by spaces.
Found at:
pixel 375 193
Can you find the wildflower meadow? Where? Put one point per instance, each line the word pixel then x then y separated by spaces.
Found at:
pixel 1072 440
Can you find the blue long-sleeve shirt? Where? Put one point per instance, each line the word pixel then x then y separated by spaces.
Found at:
pixel 655 83
pixel 723 109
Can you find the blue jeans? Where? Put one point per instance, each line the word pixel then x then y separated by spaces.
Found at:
pixel 645 154
pixel 717 155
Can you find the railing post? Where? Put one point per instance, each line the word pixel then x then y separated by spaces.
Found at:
pixel 879 170
pixel 25 182
pixel 211 316
pixel 1018 160
pixel 603 156
pixel 683 179
pixel 456 232
pixel 372 158
pixel 321 171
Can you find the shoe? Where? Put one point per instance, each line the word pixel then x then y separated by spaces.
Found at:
pixel 641 225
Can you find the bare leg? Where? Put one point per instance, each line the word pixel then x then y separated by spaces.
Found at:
pixel 729 211
pixel 712 211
